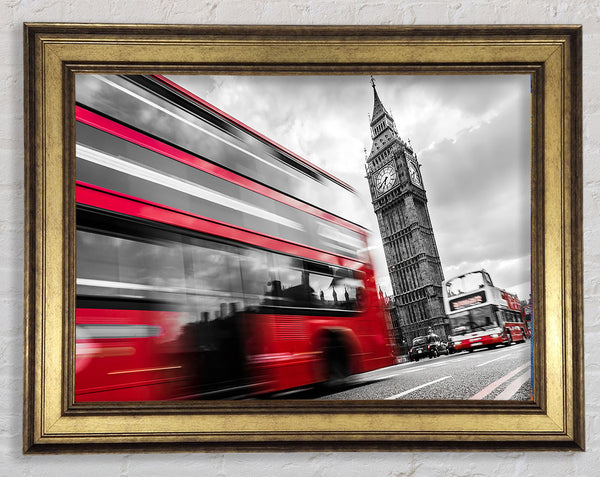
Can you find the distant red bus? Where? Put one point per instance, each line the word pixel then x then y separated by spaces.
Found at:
pixel 480 314
pixel 211 262
pixel 527 312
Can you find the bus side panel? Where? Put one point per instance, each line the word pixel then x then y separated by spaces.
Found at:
pixel 131 355
pixel 287 351
pixel 279 354
pixel 517 331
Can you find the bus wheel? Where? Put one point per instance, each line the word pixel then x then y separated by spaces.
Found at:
pixel 336 362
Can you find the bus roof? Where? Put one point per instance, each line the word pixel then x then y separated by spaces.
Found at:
pixel 206 105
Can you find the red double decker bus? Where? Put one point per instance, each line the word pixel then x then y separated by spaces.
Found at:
pixel 211 262
pixel 480 314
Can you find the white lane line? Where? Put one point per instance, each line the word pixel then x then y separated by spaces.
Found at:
pixel 491 361
pixel 422 367
pixel 381 378
pixel 399 373
pixel 396 396
pixel 457 360
pixel 489 389
pixel 388 376
pixel 437 365
pixel 434 364
pixel 513 387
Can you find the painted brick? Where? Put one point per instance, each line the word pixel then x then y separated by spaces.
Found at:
pixel 12 15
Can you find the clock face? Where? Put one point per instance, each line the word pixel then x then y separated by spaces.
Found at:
pixel 414 174
pixel 385 178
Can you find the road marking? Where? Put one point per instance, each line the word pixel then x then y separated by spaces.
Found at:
pixel 491 361
pixel 457 360
pixel 396 396
pixel 437 365
pixel 513 387
pixel 387 376
pixel 420 368
pixel 489 389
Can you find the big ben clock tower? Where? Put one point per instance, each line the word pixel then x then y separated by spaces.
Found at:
pixel 400 203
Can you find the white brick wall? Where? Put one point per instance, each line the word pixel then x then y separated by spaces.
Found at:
pixel 12 15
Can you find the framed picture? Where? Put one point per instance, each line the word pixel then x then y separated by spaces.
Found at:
pixel 199 278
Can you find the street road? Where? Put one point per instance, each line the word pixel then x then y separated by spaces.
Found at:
pixel 501 374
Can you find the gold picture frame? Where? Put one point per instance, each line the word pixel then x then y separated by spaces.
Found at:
pixel 554 419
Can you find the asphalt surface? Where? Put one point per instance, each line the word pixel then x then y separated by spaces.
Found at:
pixel 500 374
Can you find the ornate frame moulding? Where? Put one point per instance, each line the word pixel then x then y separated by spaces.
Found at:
pixel 53 422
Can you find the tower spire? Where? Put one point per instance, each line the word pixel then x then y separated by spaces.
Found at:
pixel 383 127
pixel 378 108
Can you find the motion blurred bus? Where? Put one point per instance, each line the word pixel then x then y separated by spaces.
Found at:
pixel 211 262
pixel 481 314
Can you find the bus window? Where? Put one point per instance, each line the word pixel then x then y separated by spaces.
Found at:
pixel 158 268
pixel 516 317
pixel 289 285
pixel 117 266
pixel 216 281
pixel 97 264
pixel 467 283
pixel 335 291
pixel 321 286
pixel 255 276
pixel 501 318
pixel 477 319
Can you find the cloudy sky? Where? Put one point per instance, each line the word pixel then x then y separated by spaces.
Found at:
pixel 471 135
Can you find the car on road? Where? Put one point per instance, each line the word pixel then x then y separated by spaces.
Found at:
pixel 419 348
pixel 430 346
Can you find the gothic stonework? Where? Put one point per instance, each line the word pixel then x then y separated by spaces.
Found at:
pixel 400 203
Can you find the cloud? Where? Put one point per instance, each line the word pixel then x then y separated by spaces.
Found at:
pixel 478 189
pixel 471 134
